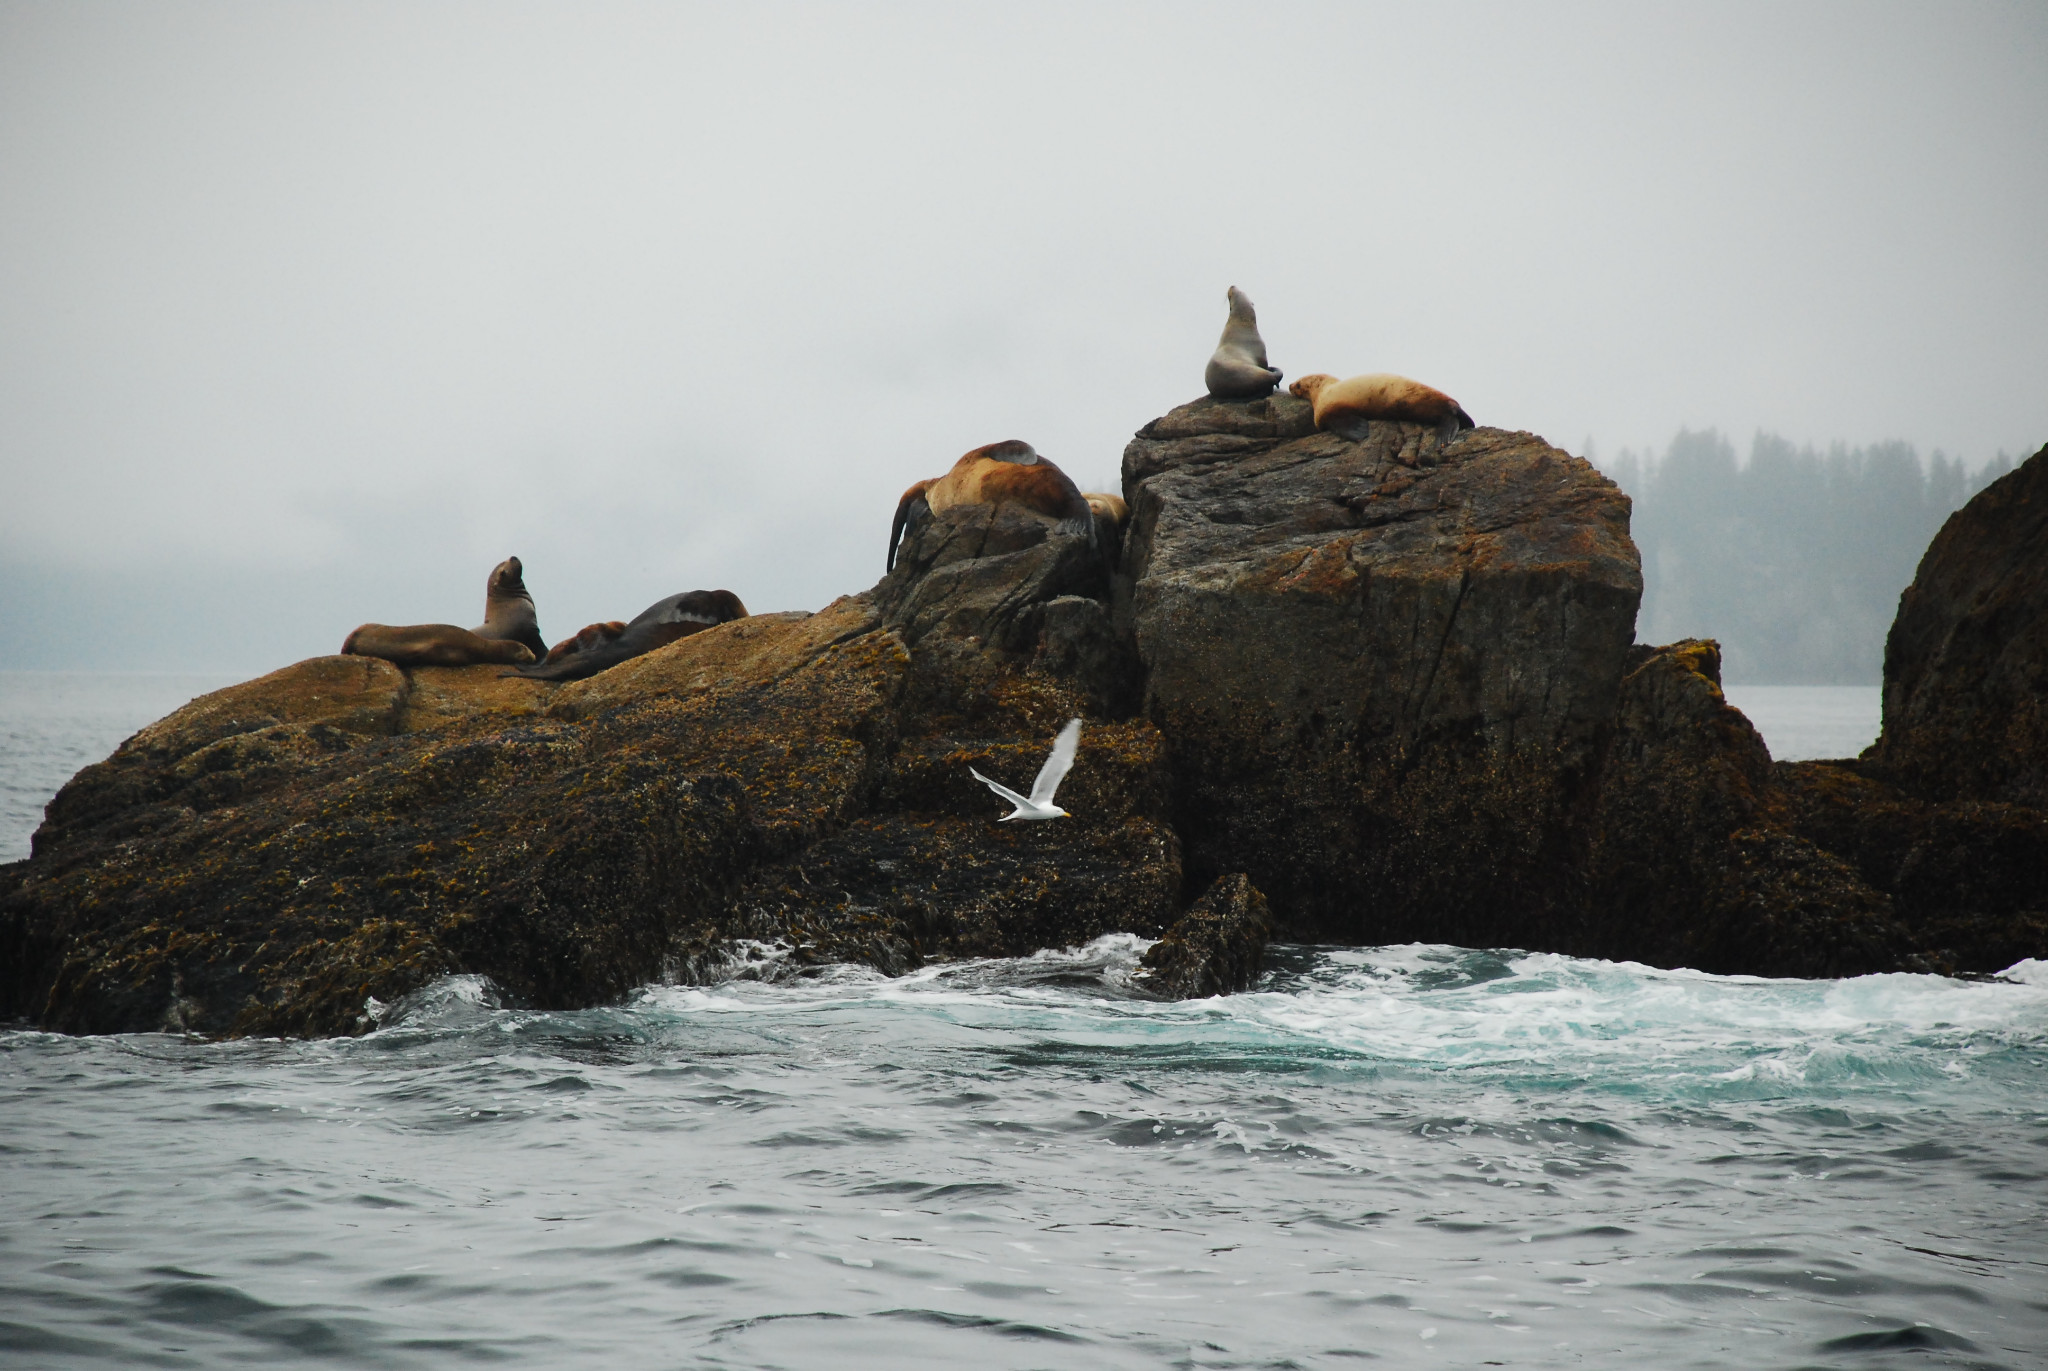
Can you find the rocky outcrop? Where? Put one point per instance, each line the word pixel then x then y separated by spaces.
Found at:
pixel 1966 664
pixel 272 856
pixel 1217 948
pixel 1386 671
pixel 1692 865
pixel 1387 685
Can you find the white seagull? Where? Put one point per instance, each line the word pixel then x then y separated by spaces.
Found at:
pixel 1040 805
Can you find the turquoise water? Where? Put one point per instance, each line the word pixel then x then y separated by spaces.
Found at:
pixel 1423 1156
pixel 1413 1156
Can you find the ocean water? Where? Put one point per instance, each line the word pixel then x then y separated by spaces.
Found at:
pixel 1807 723
pixel 1413 1156
pixel 53 723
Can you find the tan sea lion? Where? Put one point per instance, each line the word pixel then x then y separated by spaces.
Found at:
pixel 1109 509
pixel 509 634
pixel 604 645
pixel 432 645
pixel 1110 514
pixel 1006 473
pixel 1237 369
pixel 508 608
pixel 1347 407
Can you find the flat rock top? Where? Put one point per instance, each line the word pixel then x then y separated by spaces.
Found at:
pixel 1252 490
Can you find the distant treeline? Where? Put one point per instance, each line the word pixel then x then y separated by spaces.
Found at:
pixel 1794 559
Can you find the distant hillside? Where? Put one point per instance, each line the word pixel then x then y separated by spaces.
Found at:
pixel 1795 558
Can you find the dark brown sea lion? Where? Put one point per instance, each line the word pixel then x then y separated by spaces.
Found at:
pixel 604 645
pixel 509 634
pixel 1237 369
pixel 1346 407
pixel 1006 473
pixel 587 639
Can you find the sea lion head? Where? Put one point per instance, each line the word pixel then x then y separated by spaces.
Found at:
pixel 1308 387
pixel 1241 308
pixel 508 581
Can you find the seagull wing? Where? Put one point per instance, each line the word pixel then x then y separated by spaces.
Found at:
pixel 1012 796
pixel 1055 769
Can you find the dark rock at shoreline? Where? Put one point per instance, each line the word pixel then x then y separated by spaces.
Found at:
pixel 1692 868
pixel 1386 671
pixel 1216 948
pixel 1966 877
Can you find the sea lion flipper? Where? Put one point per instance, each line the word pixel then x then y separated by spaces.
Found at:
pixel 903 511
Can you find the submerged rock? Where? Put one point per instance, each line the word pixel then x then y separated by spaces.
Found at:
pixel 1216 948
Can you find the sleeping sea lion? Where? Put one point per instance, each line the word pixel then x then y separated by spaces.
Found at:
pixel 1006 473
pixel 432 645
pixel 1237 369
pixel 1347 407
pixel 606 645
pixel 1107 509
pixel 587 639
pixel 508 608
pixel 1110 514
pixel 509 634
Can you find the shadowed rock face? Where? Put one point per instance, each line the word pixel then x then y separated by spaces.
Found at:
pixel 1386 671
pixel 1966 665
pixel 1693 863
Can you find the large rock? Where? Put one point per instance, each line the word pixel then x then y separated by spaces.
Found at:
pixel 1966 665
pixel 1386 671
pixel 273 856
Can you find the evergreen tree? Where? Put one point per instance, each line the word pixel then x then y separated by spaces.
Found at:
pixel 1792 559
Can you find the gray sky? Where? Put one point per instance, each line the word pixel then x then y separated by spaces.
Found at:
pixel 310 313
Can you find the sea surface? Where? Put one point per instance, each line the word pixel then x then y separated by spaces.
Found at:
pixel 1411 1156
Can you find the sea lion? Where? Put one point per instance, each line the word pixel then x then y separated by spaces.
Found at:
pixel 509 634
pixel 508 609
pixel 1347 407
pixel 599 646
pixel 1005 473
pixel 1237 369
pixel 1109 509
pixel 432 645
pixel 586 639
pixel 1110 513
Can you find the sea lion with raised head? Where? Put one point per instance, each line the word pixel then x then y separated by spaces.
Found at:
pixel 1237 369
pixel 509 634
pixel 1005 473
pixel 599 646
pixel 1347 407
pixel 508 609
